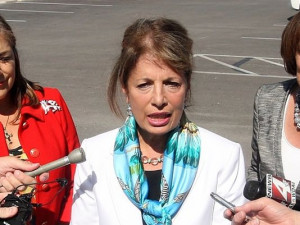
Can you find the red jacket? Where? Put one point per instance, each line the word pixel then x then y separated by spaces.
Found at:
pixel 47 133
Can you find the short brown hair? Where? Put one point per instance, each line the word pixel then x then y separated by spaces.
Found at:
pixel 290 44
pixel 164 38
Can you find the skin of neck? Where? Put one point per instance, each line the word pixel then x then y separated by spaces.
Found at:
pixel 7 107
pixel 152 145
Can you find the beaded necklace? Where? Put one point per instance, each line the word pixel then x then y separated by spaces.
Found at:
pixel 297 111
pixel 153 161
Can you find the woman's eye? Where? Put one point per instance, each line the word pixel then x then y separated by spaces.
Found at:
pixel 143 85
pixel 173 84
pixel 5 59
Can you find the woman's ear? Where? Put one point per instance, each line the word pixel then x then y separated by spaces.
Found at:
pixel 124 90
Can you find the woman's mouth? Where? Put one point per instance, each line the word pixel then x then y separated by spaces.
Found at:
pixel 159 119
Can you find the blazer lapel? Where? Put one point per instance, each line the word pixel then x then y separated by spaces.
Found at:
pixel 126 211
pixel 280 100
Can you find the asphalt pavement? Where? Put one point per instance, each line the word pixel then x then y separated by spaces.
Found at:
pixel 72 45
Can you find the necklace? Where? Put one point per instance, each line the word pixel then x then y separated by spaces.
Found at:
pixel 7 135
pixel 153 161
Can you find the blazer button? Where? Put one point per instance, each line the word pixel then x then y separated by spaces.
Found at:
pixel 25 125
pixel 45 187
pixel 34 152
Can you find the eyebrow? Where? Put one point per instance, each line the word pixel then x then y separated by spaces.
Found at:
pixel 4 53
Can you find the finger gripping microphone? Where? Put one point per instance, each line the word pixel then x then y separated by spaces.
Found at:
pixel 76 156
pixel 276 188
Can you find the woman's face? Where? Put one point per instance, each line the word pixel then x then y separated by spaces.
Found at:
pixel 156 95
pixel 7 69
pixel 298 67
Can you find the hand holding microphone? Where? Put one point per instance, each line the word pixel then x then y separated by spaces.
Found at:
pixel 23 201
pixel 76 156
pixel 264 211
pixel 14 177
pixel 12 173
pixel 264 206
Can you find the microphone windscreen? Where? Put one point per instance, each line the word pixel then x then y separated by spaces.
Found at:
pixel 251 190
pixel 77 156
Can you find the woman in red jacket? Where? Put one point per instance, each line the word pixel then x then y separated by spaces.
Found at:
pixel 35 125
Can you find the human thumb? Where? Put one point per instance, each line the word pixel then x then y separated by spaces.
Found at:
pixel 22 165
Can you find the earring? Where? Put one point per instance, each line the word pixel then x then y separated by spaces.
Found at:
pixel 129 112
pixel 185 105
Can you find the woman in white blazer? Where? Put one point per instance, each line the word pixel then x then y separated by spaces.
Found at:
pixel 159 167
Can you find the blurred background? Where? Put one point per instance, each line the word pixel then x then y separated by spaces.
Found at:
pixel 72 45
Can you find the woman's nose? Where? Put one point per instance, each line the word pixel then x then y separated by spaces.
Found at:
pixel 159 98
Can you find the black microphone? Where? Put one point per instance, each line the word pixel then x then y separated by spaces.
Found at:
pixel 276 188
pixel 76 156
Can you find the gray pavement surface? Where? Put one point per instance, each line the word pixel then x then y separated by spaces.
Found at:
pixel 72 45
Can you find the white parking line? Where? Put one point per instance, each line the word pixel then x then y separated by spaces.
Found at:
pixel 262 38
pixel 244 72
pixel 279 25
pixel 224 64
pixel 240 56
pixel 57 3
pixel 35 11
pixel 268 61
pixel 240 74
pixel 18 21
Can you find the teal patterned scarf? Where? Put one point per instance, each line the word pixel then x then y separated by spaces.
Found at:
pixel 180 163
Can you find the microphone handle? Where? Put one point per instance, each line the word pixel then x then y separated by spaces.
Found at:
pixel 49 166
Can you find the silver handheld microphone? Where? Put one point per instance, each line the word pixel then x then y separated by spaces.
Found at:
pixel 76 156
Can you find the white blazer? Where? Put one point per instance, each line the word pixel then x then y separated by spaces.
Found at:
pixel 99 200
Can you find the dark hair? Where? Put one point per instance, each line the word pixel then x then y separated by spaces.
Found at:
pixel 290 44
pixel 22 87
pixel 166 39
